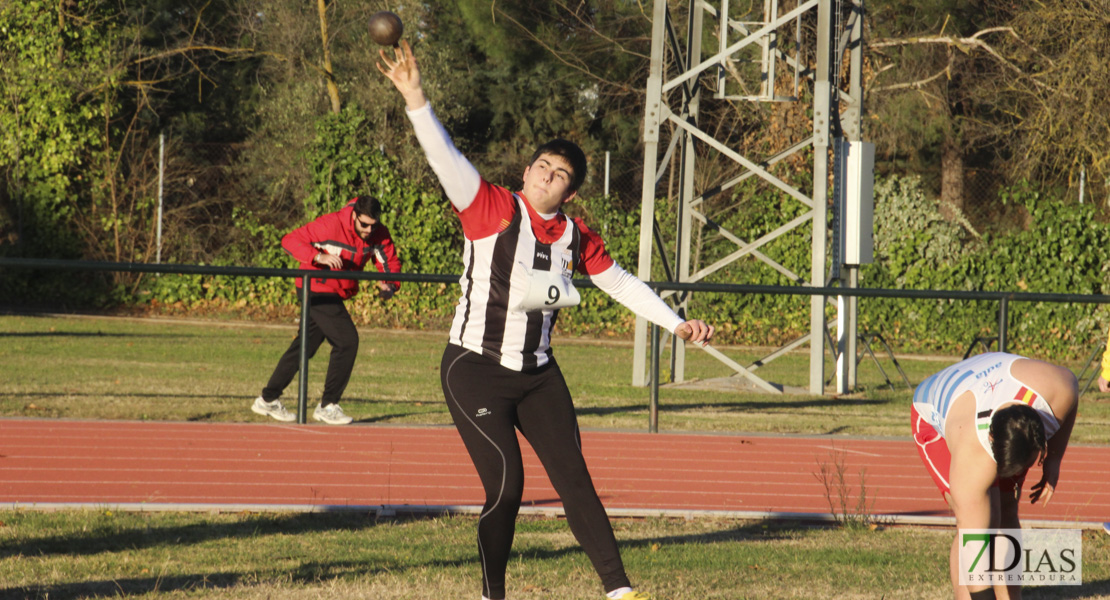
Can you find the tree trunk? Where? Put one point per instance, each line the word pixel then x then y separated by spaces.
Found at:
pixel 333 90
pixel 951 181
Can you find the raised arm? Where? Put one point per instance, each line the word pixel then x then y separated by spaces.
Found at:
pixel 403 71
pixel 459 178
pixel 1065 404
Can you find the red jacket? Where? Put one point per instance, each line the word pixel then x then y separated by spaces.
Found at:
pixel 334 233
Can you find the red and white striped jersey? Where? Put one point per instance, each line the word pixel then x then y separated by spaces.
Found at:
pixel 497 274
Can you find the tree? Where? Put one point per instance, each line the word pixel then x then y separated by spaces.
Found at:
pixel 923 60
pixel 86 83
pixel 1005 86
pixel 1046 101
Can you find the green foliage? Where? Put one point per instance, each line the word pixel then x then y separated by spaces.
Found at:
pixel 77 124
pixel 343 164
pixel 173 289
pixel 916 248
pixel 497 35
pixel 1063 250
pixel 48 138
pixel 48 130
pixel 755 211
pixel 911 237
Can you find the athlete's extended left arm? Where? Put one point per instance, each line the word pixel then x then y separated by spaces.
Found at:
pixel 634 294
pixel 1057 444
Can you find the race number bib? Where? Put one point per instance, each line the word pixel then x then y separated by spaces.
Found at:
pixel 548 291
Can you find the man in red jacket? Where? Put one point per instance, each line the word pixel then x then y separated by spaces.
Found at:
pixel 343 240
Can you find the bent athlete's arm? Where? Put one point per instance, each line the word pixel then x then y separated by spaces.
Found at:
pixel 1066 399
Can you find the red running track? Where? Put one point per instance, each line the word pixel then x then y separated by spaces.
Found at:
pixel 171 465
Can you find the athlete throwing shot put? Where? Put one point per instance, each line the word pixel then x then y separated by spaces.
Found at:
pixel 979 426
pixel 498 372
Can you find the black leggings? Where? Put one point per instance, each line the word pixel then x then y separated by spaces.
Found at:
pixel 327 319
pixel 488 403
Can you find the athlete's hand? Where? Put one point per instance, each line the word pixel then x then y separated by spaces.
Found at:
pixel 1103 385
pixel 1044 488
pixel 404 73
pixel 696 331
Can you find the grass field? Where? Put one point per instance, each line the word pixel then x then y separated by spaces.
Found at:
pixel 254 556
pixel 113 368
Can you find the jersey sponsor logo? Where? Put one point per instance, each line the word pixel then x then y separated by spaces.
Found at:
pixel 566 261
pixel 983 373
pixel 483 412
pixel 989 386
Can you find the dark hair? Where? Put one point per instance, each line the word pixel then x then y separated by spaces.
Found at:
pixel 570 152
pixel 1016 434
pixel 369 206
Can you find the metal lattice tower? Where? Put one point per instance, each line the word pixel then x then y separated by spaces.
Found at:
pixel 764 58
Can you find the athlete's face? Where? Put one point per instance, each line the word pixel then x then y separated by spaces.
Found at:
pixel 547 183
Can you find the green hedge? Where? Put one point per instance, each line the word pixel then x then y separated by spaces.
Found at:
pixel 1063 249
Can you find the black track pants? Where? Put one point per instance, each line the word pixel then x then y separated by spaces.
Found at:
pixel 488 403
pixel 327 319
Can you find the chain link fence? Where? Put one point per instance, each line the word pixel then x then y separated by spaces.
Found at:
pixel 983 207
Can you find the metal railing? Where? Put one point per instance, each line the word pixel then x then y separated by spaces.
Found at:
pixel 1003 298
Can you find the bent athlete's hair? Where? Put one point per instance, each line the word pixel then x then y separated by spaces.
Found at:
pixel 570 152
pixel 369 206
pixel 1017 434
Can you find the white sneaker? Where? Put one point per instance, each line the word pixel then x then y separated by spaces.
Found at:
pixel 331 414
pixel 272 409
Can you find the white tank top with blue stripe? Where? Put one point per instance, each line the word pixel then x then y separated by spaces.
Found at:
pixel 989 379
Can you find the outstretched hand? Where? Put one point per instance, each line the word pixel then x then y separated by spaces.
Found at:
pixel 1044 488
pixel 695 331
pixel 403 71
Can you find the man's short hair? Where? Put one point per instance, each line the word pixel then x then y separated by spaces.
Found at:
pixel 1017 432
pixel 571 153
pixel 369 206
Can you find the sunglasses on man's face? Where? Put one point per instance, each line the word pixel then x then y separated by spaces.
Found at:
pixel 364 224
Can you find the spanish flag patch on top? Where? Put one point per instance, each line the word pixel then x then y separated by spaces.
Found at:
pixel 1025 395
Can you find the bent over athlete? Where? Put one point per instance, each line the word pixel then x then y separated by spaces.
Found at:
pixel 498 371
pixel 979 425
